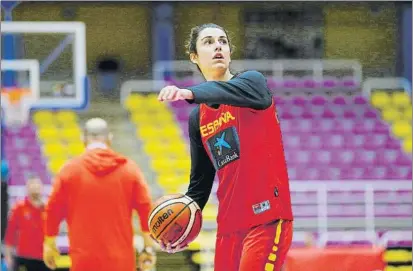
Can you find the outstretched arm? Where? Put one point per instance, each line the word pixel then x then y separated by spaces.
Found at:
pixel 249 89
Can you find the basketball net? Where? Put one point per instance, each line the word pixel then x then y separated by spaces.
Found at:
pixel 15 105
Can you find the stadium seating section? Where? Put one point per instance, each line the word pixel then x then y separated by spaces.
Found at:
pixel 42 146
pixel 335 138
pixel 396 109
pixel 162 140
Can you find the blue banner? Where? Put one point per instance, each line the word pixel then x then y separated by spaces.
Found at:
pixel 9 78
pixel 163 34
pixel 407 42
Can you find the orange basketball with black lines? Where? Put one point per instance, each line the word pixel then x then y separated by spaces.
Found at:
pixel 175 219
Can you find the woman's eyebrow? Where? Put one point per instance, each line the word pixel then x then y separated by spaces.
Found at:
pixel 208 37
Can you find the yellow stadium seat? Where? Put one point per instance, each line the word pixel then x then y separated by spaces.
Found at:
pixel 205 240
pixel 63 262
pixel 407 145
pixel 74 149
pixel 397 256
pixel 54 150
pixel 182 165
pixel 66 116
pixel 42 116
pixel 402 129
pixel 179 165
pixel 202 258
pixel 391 114
pixel 138 117
pixel 148 132
pixel 401 99
pixel 210 213
pixel 380 99
pixel 168 148
pixel 71 133
pixel 133 101
pixel 51 140
pixel 171 130
pixel 49 132
pixel 55 165
pixel 407 113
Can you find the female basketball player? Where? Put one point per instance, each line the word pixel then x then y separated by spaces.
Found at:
pixel 235 133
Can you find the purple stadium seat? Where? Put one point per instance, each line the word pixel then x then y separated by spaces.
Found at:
pixel 399 173
pixel 375 142
pixel 311 142
pixel 318 100
pixel 329 83
pixel 349 114
pixel 290 83
pixel 371 114
pixel 286 115
pixel 310 83
pixel 332 141
pixel 351 173
pixel 291 142
pixel 375 173
pixel 279 101
pixel 343 126
pixel 403 160
pixel 299 101
pixel 393 144
pixel 319 157
pixel 307 173
pixel 328 173
pixel 308 114
pixel 348 82
pixel 340 100
pixel 381 128
pixel 297 158
pixel 323 125
pixel 364 158
pixel 328 114
pixel 342 158
pixel 360 100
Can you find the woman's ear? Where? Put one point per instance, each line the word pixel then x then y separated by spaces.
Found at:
pixel 194 58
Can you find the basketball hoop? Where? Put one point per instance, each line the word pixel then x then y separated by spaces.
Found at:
pixel 16 103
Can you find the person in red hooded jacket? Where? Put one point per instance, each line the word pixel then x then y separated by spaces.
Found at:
pixel 96 193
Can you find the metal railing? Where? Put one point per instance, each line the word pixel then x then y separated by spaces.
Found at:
pixel 316 68
pixel 386 83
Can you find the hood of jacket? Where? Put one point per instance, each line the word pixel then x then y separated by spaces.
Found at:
pixel 102 161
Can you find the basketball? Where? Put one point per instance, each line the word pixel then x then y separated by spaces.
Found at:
pixel 175 219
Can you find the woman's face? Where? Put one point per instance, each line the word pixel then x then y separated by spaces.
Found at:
pixel 213 50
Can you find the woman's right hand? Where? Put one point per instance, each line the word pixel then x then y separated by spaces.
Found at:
pixel 171 250
pixel 168 247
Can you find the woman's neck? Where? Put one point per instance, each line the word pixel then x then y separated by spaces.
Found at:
pixel 219 76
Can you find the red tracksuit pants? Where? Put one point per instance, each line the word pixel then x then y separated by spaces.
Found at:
pixel 262 248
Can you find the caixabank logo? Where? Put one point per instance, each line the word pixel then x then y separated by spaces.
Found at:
pixel 224 147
